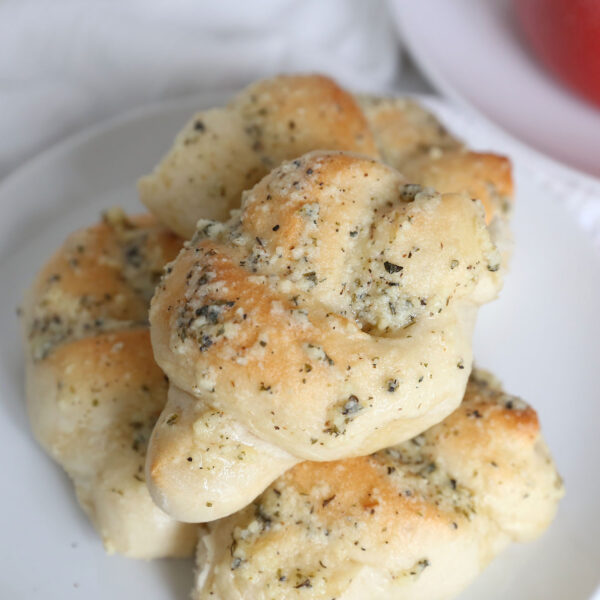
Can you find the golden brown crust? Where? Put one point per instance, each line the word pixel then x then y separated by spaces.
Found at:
pixel 413 141
pixel 222 152
pixel 333 316
pixel 487 177
pixel 404 130
pixel 488 432
pixel 101 279
pixel 420 519
pixel 312 110
pixel 94 390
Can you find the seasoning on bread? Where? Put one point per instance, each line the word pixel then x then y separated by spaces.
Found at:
pixel 329 318
pixel 94 391
pixel 417 520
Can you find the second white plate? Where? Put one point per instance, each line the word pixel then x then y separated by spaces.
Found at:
pixel 471 50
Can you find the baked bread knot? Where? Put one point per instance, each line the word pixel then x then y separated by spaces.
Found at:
pixel 331 317
pixel 223 151
pixel 417 520
pixel 94 391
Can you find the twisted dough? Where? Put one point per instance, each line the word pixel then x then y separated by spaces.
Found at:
pixel 330 318
pixel 224 151
pixel 94 391
pixel 418 520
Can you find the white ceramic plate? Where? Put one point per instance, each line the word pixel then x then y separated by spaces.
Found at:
pixel 541 337
pixel 472 51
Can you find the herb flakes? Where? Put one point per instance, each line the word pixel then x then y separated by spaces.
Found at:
pixel 392 268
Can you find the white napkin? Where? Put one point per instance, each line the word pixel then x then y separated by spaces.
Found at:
pixel 67 63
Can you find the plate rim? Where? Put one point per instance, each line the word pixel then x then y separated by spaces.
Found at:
pixel 83 134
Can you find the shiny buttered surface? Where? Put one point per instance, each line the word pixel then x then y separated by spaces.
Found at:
pixel 94 391
pixel 417 520
pixel 330 317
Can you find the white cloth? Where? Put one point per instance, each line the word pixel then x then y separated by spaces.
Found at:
pixel 66 64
